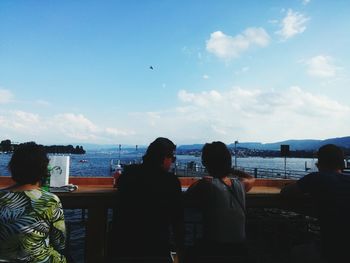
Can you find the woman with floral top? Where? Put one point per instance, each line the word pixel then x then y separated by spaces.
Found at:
pixel 32 227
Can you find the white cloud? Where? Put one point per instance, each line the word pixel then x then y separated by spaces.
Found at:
pixel 185 96
pixel 292 24
pixel 305 2
pixel 29 124
pixel 237 113
pixel 267 115
pixel 228 47
pixel 257 36
pixel 321 66
pixel 246 115
pixel 26 117
pixel 203 99
pixel 75 126
pixel 205 77
pixel 60 128
pixel 5 96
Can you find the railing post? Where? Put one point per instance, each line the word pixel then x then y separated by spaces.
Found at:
pixel 256 172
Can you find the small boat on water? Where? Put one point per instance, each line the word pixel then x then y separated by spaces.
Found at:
pixel 83 161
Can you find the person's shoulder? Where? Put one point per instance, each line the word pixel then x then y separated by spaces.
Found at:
pixel 171 179
pixel 132 168
pixel 201 191
pixel 50 196
pixel 317 178
pixel 237 183
pixel 170 174
pixel 133 171
pixel 40 194
pixel 203 184
pixel 4 194
pixel 313 176
pixel 312 182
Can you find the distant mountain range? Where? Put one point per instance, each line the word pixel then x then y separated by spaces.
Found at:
pixel 294 145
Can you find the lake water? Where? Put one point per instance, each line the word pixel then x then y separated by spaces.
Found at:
pixel 98 163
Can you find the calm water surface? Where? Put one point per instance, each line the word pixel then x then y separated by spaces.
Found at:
pixel 98 163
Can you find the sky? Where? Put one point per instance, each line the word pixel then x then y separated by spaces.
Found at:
pixel 126 72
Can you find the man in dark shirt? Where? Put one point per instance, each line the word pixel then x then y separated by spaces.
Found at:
pixel 330 190
pixel 148 206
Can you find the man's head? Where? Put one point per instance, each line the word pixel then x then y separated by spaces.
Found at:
pixel 160 153
pixel 217 159
pixel 330 158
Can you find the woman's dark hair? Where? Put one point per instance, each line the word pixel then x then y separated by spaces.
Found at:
pixel 159 149
pixel 216 157
pixel 28 164
pixel 330 157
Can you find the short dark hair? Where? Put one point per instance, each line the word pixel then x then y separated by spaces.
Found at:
pixel 159 149
pixel 330 157
pixel 216 157
pixel 28 164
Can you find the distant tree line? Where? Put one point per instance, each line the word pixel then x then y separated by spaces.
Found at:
pixel 8 146
pixel 65 149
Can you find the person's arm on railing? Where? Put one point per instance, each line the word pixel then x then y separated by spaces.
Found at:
pixel 291 190
pixel 298 199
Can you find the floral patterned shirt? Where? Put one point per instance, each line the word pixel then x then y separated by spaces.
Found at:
pixel 32 227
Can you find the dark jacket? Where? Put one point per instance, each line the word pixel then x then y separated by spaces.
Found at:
pixel 148 204
pixel 331 195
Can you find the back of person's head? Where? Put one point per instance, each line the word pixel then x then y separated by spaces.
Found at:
pixel 159 149
pixel 330 157
pixel 28 164
pixel 216 157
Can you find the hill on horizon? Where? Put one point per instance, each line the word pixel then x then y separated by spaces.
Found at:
pixel 306 145
pixel 295 145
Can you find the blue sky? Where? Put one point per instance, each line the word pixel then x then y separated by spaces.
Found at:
pixel 79 71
